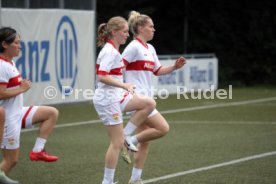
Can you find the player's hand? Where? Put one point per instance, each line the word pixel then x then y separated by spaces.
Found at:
pixel 180 62
pixel 129 87
pixel 25 85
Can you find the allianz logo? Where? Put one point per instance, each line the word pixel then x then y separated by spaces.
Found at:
pixel 148 65
pixel 202 75
pixel 66 53
pixel 35 60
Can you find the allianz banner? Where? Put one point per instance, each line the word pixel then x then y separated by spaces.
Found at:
pixel 57 52
pixel 197 74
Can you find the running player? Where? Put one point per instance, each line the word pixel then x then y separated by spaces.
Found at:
pixel 12 87
pixel 141 62
pixel 112 96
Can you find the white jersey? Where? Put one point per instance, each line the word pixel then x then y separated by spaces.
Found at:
pixel 109 62
pixel 10 77
pixel 141 62
pixel 17 116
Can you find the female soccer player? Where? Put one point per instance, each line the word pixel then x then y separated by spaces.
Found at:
pixel 12 87
pixel 141 62
pixel 112 96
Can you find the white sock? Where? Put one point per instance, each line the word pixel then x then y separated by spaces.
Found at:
pixel 129 128
pixel 108 176
pixel 39 144
pixel 134 140
pixel 136 174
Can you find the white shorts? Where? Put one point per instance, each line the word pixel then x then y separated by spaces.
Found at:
pixel 126 98
pixel 110 114
pixel 13 125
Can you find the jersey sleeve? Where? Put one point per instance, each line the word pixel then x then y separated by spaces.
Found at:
pixel 129 54
pixel 157 64
pixel 106 63
pixel 4 77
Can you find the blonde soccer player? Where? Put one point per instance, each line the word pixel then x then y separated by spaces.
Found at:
pixel 113 96
pixel 141 63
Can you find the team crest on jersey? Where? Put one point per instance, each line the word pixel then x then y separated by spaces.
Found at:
pixel 116 116
pixel 11 141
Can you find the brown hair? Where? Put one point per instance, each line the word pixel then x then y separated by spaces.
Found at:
pixel 7 34
pixel 135 19
pixel 105 29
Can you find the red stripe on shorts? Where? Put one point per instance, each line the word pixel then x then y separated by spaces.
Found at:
pixel 124 97
pixel 25 117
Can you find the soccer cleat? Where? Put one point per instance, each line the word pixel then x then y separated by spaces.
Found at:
pixel 6 180
pixel 136 182
pixel 42 156
pixel 125 155
pixel 130 145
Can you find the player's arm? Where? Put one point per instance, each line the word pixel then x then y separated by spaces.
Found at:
pixel 116 83
pixel 6 94
pixel 180 62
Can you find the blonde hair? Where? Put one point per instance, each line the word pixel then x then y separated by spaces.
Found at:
pixel 135 19
pixel 105 29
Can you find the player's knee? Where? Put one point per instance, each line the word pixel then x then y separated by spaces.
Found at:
pixel 164 129
pixel 167 128
pixel 12 162
pixel 122 142
pixel 55 112
pixel 150 103
pixel 119 143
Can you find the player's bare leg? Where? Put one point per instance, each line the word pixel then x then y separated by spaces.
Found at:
pixel 4 167
pixel 115 134
pixel 153 128
pixel 157 127
pixel 47 117
pixel 142 107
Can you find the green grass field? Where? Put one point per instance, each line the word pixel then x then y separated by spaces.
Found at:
pixel 198 138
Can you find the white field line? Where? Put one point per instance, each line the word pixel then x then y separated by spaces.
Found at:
pixel 220 122
pixel 232 162
pixel 172 111
pixel 66 125
pixel 219 105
